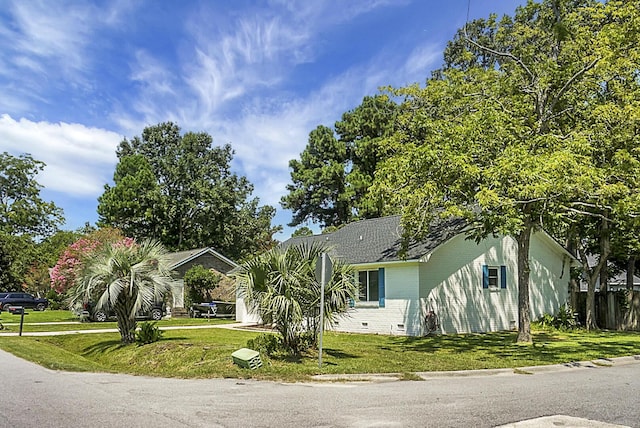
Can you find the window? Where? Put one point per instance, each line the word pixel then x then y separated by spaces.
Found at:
pixel 368 281
pixel 494 277
pixel 371 288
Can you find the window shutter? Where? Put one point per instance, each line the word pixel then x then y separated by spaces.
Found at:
pixel 381 287
pixel 485 276
pixel 503 276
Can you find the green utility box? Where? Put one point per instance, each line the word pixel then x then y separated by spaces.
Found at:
pixel 247 358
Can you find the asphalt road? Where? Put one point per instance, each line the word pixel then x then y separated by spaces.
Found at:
pixel 31 396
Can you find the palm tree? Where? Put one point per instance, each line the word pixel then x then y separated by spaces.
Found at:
pixel 280 286
pixel 126 278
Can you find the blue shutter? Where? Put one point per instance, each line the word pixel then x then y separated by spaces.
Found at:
pixel 485 276
pixel 381 287
pixel 503 276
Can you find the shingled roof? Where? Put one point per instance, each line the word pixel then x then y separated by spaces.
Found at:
pixel 379 240
pixel 181 257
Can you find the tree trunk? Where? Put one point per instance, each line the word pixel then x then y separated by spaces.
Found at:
pixel 593 275
pixel 524 311
pixel 126 323
pixel 631 271
pixel 590 322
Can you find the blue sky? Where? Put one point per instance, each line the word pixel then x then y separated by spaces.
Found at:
pixel 77 77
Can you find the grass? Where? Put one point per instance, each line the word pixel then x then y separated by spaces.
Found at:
pixel 207 353
pixel 68 321
pixel 39 316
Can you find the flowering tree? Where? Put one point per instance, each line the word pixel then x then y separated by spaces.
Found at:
pixel 70 264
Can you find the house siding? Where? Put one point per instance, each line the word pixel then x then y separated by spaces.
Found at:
pixel 451 285
pixel 401 313
pixel 550 276
pixel 207 260
pixel 243 314
pixel 449 282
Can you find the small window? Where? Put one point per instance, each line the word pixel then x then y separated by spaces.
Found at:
pixel 368 282
pixel 494 277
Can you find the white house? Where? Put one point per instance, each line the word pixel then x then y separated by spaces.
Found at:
pixel 472 287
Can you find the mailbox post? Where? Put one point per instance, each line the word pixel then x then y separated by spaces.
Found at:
pixel 22 314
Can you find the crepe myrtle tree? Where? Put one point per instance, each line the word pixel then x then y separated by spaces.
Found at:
pixel 281 287
pixel 125 278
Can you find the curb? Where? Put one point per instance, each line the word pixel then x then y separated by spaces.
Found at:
pixel 601 363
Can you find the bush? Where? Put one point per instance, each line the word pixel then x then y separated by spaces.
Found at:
pixel 148 333
pixel 266 344
pixel 198 283
pixel 306 341
pixel 564 320
pixel 56 300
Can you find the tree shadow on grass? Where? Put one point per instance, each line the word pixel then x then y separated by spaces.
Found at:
pixel 102 347
pixel 339 354
pixel 548 347
pixel 287 358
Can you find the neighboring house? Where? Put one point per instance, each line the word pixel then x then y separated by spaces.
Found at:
pixel 472 287
pixel 619 282
pixel 617 279
pixel 207 257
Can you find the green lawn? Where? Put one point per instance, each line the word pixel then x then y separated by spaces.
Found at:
pixel 68 321
pixel 32 316
pixel 207 353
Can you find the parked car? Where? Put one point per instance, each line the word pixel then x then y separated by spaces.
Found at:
pixel 2 295
pixel 25 300
pixel 91 313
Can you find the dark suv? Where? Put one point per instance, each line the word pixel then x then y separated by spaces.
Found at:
pixel 90 312
pixel 25 300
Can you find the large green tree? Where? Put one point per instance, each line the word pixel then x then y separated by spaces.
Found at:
pixel 22 211
pixel 24 217
pixel 134 203
pixel 318 192
pixel 496 135
pixel 180 189
pixel 364 131
pixel 332 178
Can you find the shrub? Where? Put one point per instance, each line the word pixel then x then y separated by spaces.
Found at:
pixel 306 341
pixel 564 320
pixel 56 300
pixel 148 333
pixel 198 283
pixel 266 344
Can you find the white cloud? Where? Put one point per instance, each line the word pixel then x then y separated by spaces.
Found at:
pixel 234 87
pixel 51 47
pixel 422 59
pixel 80 160
pixel 53 30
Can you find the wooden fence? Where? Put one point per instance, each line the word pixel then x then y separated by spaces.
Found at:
pixel 615 310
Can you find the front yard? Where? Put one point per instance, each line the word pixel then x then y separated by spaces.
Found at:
pixel 207 353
